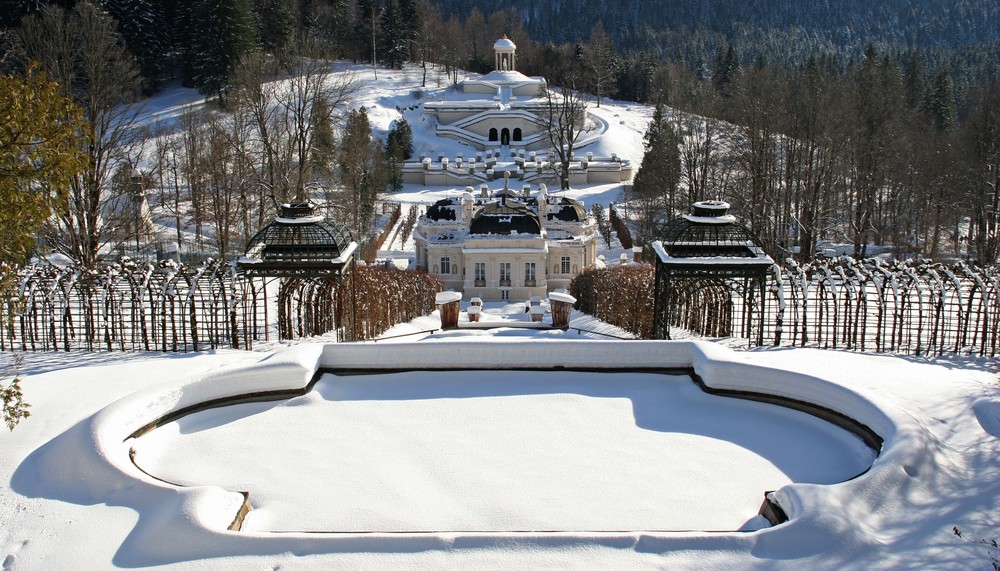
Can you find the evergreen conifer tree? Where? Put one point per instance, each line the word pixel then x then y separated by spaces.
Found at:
pixel 324 148
pixel 223 32
pixel 940 104
pixel 394 48
pixel 413 21
pixel 143 26
pixel 727 66
pixel 358 172
pixel 398 148
pixel 276 24
pixel 366 17
pixel 655 185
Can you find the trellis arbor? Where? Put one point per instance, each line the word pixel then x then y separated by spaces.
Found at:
pixel 312 258
pixel 912 306
pixel 706 264
pixel 128 306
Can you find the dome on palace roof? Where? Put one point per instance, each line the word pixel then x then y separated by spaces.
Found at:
pixel 441 210
pixel 505 218
pixel 568 210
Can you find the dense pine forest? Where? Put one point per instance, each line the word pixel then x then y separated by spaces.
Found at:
pixel 865 123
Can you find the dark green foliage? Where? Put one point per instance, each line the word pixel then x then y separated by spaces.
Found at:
pixel 394 37
pixel 324 149
pixel 412 21
pixel 603 226
pixel 398 148
pixel 275 24
pixel 654 190
pixel 940 104
pixel 727 66
pixel 362 174
pixel 400 140
pixel 223 31
pixel 366 18
pixel 143 26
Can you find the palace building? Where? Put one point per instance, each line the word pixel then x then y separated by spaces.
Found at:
pixel 502 117
pixel 507 246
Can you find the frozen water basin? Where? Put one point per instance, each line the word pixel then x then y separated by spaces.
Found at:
pixel 502 450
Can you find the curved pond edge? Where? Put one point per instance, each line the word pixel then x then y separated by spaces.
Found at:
pixel 202 513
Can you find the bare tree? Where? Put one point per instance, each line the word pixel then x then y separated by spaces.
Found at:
pixel 699 157
pixel 310 81
pixel 564 115
pixel 227 175
pixel 83 51
pixel 193 145
pixel 600 61
pixel 284 114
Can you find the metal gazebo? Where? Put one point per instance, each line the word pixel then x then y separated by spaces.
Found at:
pixel 313 256
pixel 710 275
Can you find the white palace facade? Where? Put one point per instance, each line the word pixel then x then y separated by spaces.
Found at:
pixel 502 118
pixel 506 246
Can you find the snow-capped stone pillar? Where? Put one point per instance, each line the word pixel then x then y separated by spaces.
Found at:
pixel 448 304
pixel 561 304
pixel 637 254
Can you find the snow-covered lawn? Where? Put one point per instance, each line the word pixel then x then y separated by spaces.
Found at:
pixel 71 499
pixel 502 451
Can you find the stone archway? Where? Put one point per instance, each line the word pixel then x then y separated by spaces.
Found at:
pixel 493 134
pixel 505 136
pixel 517 134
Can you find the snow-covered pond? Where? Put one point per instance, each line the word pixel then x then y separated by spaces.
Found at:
pixel 502 451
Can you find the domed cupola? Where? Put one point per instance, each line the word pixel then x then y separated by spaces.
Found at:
pixel 442 210
pixel 567 210
pixel 504 50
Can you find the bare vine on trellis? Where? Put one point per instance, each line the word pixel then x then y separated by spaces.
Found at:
pixel 912 306
pixel 130 306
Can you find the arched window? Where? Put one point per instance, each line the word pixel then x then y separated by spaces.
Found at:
pixel 505 136
pixel 517 133
pixel 493 134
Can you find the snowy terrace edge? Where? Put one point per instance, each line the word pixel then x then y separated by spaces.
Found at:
pixel 293 369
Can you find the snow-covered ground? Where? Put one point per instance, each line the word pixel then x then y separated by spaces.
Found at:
pixel 502 451
pixel 593 449
pixel 595 484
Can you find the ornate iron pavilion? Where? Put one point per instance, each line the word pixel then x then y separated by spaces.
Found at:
pixel 710 275
pixel 312 256
pixel 300 243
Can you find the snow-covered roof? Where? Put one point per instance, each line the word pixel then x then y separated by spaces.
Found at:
pixel 505 77
pixel 504 43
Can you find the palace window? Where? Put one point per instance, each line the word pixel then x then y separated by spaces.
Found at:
pixel 505 273
pixel 529 274
pixel 446 265
pixel 565 265
pixel 480 273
